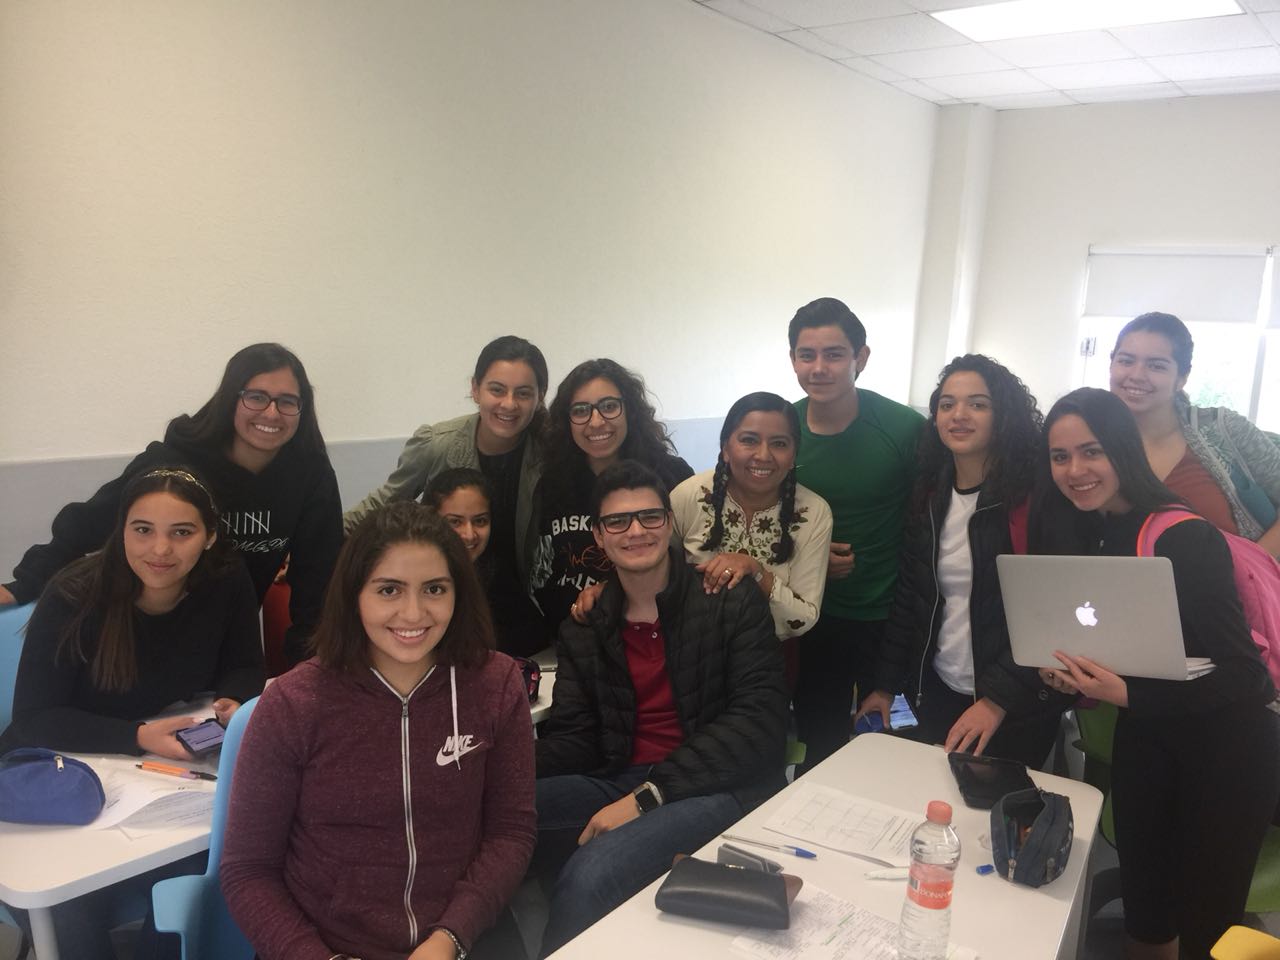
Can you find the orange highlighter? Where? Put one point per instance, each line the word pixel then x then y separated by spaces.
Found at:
pixel 164 768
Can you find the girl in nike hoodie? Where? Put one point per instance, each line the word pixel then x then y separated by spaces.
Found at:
pixel 383 797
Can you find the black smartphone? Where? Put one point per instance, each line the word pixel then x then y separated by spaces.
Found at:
pixel 202 739
pixel 984 780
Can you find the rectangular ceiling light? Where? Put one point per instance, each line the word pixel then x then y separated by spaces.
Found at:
pixel 1037 18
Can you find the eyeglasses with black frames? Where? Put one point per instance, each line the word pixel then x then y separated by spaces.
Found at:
pixel 608 407
pixel 650 518
pixel 259 400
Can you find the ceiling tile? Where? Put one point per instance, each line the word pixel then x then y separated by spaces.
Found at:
pixel 1135 91
pixel 1087 46
pixel 923 91
pixel 1113 73
pixel 803 38
pixel 820 13
pixel 1272 22
pixel 932 6
pixel 1232 85
pixel 872 69
pixel 943 61
pixel 892 34
pixel 988 84
pixel 1192 36
pixel 1258 6
pixel 1206 66
pixel 752 16
pixel 1021 101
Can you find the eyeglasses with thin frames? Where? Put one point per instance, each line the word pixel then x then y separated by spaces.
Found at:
pixel 650 518
pixel 259 400
pixel 608 407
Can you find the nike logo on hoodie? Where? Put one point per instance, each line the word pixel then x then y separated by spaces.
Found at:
pixel 455 747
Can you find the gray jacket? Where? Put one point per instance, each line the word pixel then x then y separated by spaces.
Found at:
pixel 436 447
pixel 1220 437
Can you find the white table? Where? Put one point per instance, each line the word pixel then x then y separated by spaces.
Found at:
pixel 541 707
pixel 41 867
pixel 1001 920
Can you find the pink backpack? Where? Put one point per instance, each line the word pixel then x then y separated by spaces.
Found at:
pixel 1257 576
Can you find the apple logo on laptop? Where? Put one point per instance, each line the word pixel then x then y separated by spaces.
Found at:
pixel 1087 616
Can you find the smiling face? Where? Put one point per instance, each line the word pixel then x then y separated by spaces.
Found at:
pixel 1143 372
pixel 965 418
pixel 637 549
pixel 600 439
pixel 508 398
pixel 259 434
pixel 405 608
pixel 760 452
pixel 826 364
pixel 164 537
pixel 467 511
pixel 1081 468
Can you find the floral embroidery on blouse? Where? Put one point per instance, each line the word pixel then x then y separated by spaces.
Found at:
pixel 757 541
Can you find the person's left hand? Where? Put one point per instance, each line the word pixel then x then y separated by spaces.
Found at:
pixel 724 570
pixel 224 709
pixel 975 727
pixel 623 810
pixel 438 946
pixel 1081 675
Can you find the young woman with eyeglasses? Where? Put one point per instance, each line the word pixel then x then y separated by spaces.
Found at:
pixel 600 415
pixel 258 446
pixel 749 518
pixel 502 440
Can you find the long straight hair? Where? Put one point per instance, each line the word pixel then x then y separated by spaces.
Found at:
pixel 213 425
pixel 1056 526
pixel 103 584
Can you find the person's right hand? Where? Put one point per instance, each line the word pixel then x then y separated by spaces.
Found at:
pixel 877 701
pixel 840 561
pixel 7 598
pixel 585 602
pixel 158 737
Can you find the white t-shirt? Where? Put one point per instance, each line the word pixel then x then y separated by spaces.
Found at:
pixel 954 658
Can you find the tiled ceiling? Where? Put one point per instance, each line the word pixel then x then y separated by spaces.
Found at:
pixel 897 43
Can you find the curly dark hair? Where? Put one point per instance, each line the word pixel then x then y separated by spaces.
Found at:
pixel 1016 442
pixel 646 442
pixel 767 403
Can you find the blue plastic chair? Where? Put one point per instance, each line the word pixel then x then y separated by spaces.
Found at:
pixel 12 620
pixel 192 907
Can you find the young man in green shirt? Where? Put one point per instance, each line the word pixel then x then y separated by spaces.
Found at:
pixel 858 451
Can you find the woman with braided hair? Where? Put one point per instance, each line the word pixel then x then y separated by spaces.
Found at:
pixel 946 645
pixel 749 518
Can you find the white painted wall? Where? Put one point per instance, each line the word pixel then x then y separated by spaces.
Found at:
pixel 384 187
pixel 1196 171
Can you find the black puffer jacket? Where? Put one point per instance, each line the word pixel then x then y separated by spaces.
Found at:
pixel 725 666
pixel 916 616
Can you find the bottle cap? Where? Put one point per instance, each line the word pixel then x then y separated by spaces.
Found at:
pixel 938 811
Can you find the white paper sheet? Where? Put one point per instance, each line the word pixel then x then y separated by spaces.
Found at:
pixel 131 792
pixel 837 820
pixel 825 927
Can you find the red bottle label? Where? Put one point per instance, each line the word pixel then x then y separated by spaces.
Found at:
pixel 930 887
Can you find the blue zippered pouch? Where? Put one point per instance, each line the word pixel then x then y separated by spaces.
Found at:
pixel 41 786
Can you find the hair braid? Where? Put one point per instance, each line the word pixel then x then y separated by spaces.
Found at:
pixel 783 549
pixel 719 488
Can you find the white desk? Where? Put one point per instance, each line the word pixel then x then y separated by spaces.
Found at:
pixel 41 867
pixel 541 707
pixel 1001 920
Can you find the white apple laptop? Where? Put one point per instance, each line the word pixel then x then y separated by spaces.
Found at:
pixel 1120 612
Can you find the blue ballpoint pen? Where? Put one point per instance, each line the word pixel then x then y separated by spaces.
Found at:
pixel 783 847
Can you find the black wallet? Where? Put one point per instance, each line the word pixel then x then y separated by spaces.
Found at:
pixel 715 891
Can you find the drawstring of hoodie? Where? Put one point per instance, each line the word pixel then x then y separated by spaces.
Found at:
pixel 453 699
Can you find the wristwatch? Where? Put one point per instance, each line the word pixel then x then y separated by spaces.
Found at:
pixel 648 797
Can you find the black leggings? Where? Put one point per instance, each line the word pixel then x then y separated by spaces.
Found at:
pixel 1193 797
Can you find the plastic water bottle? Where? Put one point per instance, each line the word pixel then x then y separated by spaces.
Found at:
pixel 926 914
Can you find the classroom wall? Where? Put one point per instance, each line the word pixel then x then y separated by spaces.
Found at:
pixel 1195 171
pixel 384 188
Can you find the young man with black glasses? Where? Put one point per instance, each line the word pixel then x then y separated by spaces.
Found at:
pixel 669 719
